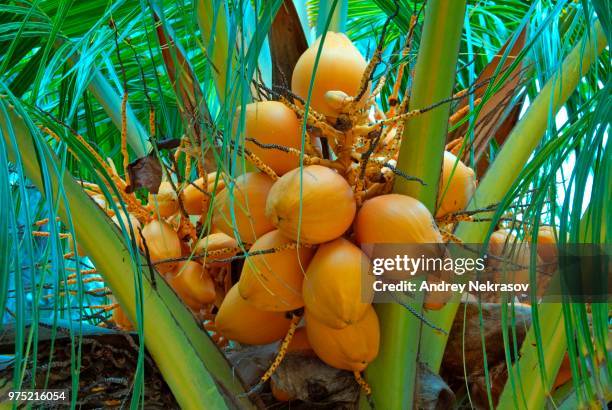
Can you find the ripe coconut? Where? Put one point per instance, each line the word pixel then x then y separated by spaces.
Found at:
pixel 193 284
pixel 193 197
pixel 195 201
pixel 332 288
pixel 403 220
pixel 272 122
pixel 250 192
pixel 547 244
pixel 274 281
pixel 340 68
pixel 216 242
pixel 510 258
pixel 279 394
pixel 162 243
pixel 240 321
pixel 395 218
pixel 456 187
pixel 351 348
pixel 327 204
pixel 165 201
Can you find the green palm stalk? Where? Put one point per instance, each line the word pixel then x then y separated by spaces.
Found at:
pixel 212 21
pixel 393 373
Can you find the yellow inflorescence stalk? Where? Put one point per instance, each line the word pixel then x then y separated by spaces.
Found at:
pixel 86 280
pixel 282 351
pixel 44 234
pixel 262 166
pixel 462 112
pixel 362 383
pixel 124 150
pixel 151 122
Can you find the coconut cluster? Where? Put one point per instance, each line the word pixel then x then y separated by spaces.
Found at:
pixel 314 218
pixel 300 229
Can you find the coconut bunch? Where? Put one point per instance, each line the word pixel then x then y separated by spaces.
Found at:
pixel 322 192
pixel 309 225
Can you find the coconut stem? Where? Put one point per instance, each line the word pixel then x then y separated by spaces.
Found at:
pixel 282 351
pixel 362 383
pixel 449 236
pixel 262 166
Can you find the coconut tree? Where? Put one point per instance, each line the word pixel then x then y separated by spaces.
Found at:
pixel 104 100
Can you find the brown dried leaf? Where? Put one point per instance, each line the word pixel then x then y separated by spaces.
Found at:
pixel 498 115
pixel 145 172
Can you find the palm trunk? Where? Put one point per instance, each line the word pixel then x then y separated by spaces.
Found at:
pixel 212 20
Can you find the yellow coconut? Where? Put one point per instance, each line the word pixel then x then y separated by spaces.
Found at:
pixel 332 289
pixel 240 321
pixel 395 218
pixel 128 221
pixel 165 201
pixel 300 344
pixel 274 281
pixel 456 187
pixel 249 203
pixel 325 200
pixel 195 201
pixel 272 122
pixel 121 320
pixel 350 348
pixel 119 317
pixel 547 244
pixel 280 394
pixel 340 68
pixel 402 220
pixel 509 257
pixel 193 284
pixel 221 245
pixel 193 197
pixel 162 243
